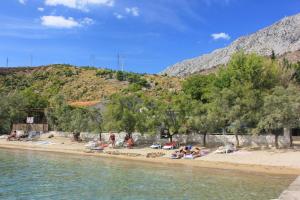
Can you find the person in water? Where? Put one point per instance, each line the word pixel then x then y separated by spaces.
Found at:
pixel 112 139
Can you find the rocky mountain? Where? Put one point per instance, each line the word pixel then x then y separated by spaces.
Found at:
pixel 283 38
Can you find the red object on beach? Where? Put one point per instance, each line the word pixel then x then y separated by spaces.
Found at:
pixel 173 144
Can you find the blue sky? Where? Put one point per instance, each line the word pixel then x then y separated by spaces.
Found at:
pixel 148 34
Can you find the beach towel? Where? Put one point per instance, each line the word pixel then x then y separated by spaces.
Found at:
pixel 44 143
pixel 190 156
pixel 97 148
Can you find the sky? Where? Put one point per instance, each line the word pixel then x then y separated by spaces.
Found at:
pixel 148 35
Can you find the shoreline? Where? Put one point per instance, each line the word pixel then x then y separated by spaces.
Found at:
pixel 250 168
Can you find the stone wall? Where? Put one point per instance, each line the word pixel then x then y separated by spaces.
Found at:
pixel 31 127
pixel 244 140
pixel 211 140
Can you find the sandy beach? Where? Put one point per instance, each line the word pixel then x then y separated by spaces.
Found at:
pixel 285 161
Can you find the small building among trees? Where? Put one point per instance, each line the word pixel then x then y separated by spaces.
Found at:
pixel 35 120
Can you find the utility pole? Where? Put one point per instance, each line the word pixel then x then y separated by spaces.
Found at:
pixel 7 62
pixel 122 65
pixel 120 62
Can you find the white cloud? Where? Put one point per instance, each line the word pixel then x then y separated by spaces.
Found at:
pixel 22 1
pixel 118 16
pixel 217 36
pixel 62 22
pixel 87 21
pixel 41 9
pixel 134 11
pixel 80 4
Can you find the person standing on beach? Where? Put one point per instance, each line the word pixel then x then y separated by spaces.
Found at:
pixel 112 139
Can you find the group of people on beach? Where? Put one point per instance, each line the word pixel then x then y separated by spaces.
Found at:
pixel 187 152
pixel 127 142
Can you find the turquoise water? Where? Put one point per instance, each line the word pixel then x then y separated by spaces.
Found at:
pixel 30 175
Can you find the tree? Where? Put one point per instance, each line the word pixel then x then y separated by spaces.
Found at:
pixel 121 113
pixel 239 89
pixel 59 113
pixel 244 68
pixel 201 120
pixel 14 107
pixel 199 87
pixel 64 117
pixel 280 110
pixel 173 113
pixel 273 55
pixel 147 120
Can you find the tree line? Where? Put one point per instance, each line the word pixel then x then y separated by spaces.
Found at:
pixel 250 95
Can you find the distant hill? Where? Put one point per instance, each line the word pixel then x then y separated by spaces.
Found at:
pixel 283 38
pixel 84 85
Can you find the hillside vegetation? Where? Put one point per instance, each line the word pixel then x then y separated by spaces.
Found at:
pixel 81 84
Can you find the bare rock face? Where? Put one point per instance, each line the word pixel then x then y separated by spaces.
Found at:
pixel 282 37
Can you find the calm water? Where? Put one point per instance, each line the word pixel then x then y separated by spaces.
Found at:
pixel 31 175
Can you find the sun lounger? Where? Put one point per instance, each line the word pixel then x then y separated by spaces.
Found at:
pixel 190 156
pixel 97 148
pixel 91 144
pixel 44 143
pixel 169 146
pixel 155 146
pixel 226 149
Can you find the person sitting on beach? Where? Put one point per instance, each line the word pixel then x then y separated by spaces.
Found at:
pixel 12 136
pixel 186 150
pixel 178 154
pixel 130 143
pixel 196 152
pixel 112 139
pixel 76 136
pixel 127 137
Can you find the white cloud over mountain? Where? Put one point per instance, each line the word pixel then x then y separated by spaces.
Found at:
pixel 218 36
pixel 80 4
pixel 63 22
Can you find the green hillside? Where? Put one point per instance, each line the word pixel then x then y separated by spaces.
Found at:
pixel 78 84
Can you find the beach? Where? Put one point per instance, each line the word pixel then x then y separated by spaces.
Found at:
pixel 283 161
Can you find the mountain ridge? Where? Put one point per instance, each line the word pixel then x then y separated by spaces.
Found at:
pixel 282 37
